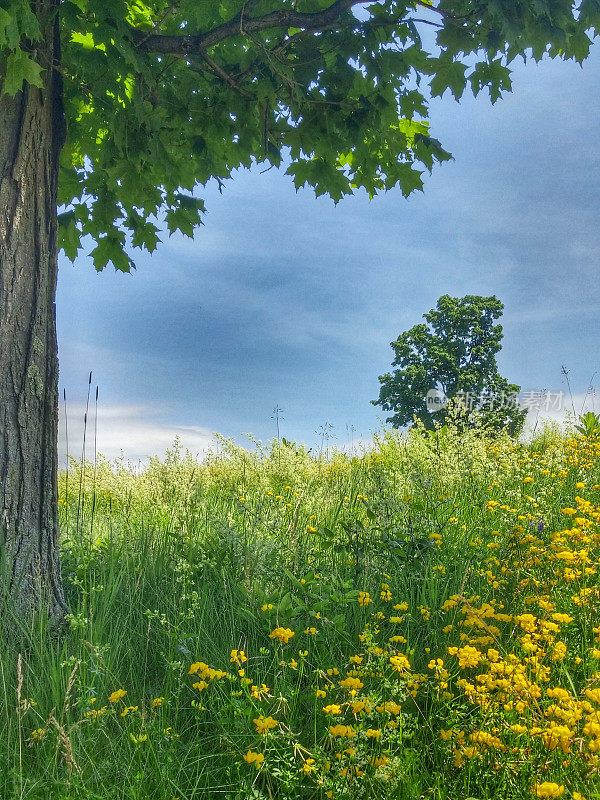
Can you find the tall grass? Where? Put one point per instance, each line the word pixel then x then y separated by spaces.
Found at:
pixel 211 600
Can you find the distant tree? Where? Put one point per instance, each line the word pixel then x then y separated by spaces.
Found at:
pixel 452 357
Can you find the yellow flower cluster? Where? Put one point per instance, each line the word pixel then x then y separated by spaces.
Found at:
pixel 254 758
pixel 342 731
pixel 264 724
pixel 238 657
pixel 527 698
pixel 205 672
pixel 282 635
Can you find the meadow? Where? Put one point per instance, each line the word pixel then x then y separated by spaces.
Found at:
pixel 421 620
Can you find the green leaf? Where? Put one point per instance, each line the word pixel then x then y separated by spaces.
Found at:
pixel 86 40
pixel 589 14
pixel 339 622
pixel 110 249
pixel 579 45
pixel 410 179
pixel 144 233
pixel 21 67
pixel 493 75
pixel 449 75
pixel 5 21
pixel 182 219
pixel 190 203
pixel 410 128
pixel 69 237
pixel 285 604
pixel 69 185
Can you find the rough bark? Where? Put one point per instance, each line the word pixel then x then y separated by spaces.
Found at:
pixel 31 135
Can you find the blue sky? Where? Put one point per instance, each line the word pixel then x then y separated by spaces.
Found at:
pixel 284 298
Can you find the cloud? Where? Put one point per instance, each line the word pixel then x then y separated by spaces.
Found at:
pixel 129 431
pixel 558 406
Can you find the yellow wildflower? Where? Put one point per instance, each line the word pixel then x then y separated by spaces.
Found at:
pixel 264 724
pixel 380 761
pixel 399 662
pixel 351 683
pixel 565 618
pixel 390 707
pixel 468 656
pixel 342 731
pixel 282 634
pixel 548 789
pixel 308 766
pixel 238 657
pixel 254 758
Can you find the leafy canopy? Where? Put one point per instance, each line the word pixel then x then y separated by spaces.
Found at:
pixel 454 353
pixel 161 96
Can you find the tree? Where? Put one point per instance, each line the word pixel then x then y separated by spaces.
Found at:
pixel 452 357
pixel 114 111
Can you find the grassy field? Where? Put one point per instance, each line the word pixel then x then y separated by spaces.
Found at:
pixel 419 621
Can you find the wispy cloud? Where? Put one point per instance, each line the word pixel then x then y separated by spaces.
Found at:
pixel 133 432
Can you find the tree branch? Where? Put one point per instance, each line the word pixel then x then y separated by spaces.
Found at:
pixel 427 22
pixel 430 7
pixel 226 77
pixel 197 44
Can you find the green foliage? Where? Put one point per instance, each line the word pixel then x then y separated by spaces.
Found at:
pixel 589 425
pixel 21 67
pixel 454 353
pixel 161 97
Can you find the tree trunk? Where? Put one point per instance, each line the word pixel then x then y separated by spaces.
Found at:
pixel 31 136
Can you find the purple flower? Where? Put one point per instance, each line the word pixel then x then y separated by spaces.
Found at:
pixel 540 525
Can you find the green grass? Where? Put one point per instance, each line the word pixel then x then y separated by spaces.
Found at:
pixel 172 566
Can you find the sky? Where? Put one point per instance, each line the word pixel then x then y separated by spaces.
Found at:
pixel 284 299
